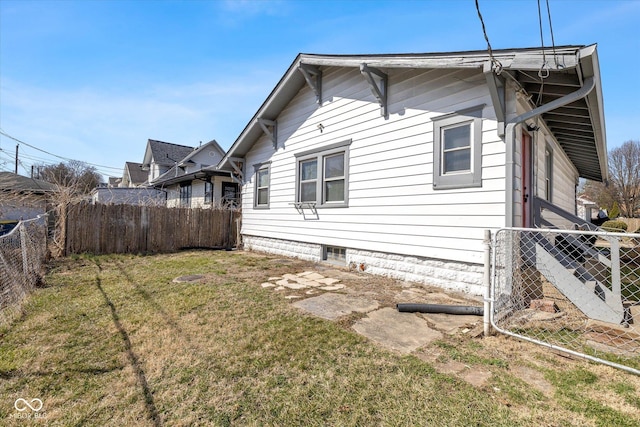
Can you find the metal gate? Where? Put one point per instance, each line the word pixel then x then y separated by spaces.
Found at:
pixel 571 290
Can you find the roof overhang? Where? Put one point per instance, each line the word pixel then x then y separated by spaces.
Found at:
pixel 579 127
pixel 202 174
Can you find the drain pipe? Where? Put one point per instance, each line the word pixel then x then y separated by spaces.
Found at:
pixel 510 134
pixel 439 308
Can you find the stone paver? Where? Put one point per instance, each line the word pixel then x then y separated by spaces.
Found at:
pixel 450 324
pixel 314 276
pixel 332 288
pixel 332 306
pixel 404 332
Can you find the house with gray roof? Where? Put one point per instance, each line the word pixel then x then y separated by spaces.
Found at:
pixel 398 163
pixel 22 197
pixel 133 175
pixel 161 156
pixel 188 183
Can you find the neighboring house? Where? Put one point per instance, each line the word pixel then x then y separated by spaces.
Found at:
pixel 133 175
pixel 114 181
pixel 22 197
pixel 128 196
pixel 396 164
pixel 190 184
pixel 160 156
pixel 586 209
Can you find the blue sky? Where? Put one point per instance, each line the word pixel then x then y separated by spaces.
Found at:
pixel 92 80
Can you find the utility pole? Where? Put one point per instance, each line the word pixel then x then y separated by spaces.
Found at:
pixel 17 146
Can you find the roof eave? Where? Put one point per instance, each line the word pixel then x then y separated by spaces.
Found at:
pixel 590 68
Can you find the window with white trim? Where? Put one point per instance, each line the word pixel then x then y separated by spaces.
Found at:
pixel 322 176
pixel 457 150
pixel 263 178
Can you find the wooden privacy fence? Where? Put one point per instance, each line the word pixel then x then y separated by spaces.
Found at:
pixel 106 229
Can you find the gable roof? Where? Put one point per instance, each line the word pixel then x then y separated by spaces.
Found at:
pixel 211 145
pixel 10 181
pixel 136 175
pixel 578 127
pixel 165 153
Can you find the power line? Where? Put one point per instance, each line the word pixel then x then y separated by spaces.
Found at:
pixel 497 65
pixel 55 155
pixel 553 41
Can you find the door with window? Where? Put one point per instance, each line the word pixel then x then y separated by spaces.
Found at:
pixel 230 194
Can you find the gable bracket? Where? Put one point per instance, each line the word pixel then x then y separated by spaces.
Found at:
pixel 237 164
pixel 495 83
pixel 313 75
pixel 378 88
pixel 270 128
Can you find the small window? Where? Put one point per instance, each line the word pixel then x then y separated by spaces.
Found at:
pixel 548 174
pixel 322 176
pixel 208 192
pixel 263 173
pixel 185 195
pixel 457 152
pixel 335 254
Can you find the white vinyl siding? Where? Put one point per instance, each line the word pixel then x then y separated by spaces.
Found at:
pixel 392 206
pixel 563 175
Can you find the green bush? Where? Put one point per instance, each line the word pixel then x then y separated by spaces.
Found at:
pixel 613 225
pixel 614 212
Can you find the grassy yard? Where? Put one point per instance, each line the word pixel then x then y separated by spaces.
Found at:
pixel 113 341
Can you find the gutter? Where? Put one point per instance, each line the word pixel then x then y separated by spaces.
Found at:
pixel 510 133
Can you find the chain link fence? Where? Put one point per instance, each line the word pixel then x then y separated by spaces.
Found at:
pixel 22 259
pixel 575 291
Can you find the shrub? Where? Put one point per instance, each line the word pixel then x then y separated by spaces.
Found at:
pixel 615 211
pixel 613 225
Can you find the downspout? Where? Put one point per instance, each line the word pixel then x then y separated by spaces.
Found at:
pixel 511 139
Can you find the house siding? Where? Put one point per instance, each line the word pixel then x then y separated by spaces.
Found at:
pixel 393 208
pixel 197 193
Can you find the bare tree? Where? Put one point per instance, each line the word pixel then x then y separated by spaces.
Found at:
pixel 604 196
pixel 73 175
pixel 624 174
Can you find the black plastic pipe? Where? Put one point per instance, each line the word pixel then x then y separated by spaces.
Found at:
pixel 438 308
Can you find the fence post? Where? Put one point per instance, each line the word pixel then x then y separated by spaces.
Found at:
pixel 487 283
pixel 23 244
pixel 615 267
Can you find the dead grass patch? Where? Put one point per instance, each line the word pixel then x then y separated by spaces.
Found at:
pixel 113 341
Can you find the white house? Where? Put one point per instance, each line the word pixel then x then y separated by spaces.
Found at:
pixel 188 183
pixel 397 164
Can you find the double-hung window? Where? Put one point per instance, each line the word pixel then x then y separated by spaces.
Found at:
pixel 457 150
pixel 208 192
pixel 322 176
pixel 263 178
pixel 185 195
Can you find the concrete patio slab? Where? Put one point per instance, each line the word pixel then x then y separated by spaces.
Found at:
pixel 403 332
pixel 332 306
